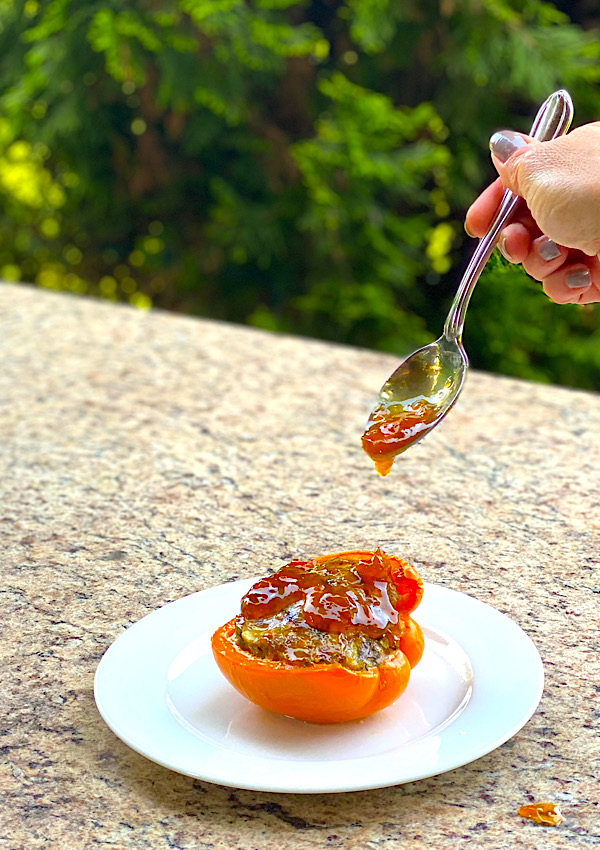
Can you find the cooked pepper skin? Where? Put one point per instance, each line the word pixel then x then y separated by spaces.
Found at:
pixel 319 693
pixel 412 642
pixel 327 693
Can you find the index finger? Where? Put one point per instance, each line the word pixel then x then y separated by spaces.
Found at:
pixel 483 209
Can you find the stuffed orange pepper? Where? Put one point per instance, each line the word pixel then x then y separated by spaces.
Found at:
pixel 326 640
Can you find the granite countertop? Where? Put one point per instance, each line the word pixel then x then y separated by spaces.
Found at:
pixel 147 456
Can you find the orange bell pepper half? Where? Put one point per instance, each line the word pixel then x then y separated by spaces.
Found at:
pixel 330 693
pixel 319 693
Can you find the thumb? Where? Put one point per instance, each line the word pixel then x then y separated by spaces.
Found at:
pixel 510 152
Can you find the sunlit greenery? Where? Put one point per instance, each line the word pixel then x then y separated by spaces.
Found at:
pixel 299 166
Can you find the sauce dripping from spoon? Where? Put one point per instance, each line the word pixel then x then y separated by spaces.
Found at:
pixel 411 403
pixel 391 430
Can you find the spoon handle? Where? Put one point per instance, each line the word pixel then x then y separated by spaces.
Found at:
pixel 552 120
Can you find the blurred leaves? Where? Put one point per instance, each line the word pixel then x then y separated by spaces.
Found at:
pixel 298 165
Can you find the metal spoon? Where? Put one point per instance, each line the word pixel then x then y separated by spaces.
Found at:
pixel 425 386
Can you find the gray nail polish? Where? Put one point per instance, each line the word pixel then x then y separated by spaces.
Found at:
pixel 579 279
pixel 505 143
pixel 549 250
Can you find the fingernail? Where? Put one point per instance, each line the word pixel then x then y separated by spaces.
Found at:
pixel 503 251
pixel 548 250
pixel 468 232
pixel 505 143
pixel 578 279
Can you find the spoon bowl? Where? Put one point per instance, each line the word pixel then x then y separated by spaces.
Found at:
pixel 421 391
pixel 414 399
pixel 434 373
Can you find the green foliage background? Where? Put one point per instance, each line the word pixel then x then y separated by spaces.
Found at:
pixel 300 166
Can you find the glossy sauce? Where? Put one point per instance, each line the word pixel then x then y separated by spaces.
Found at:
pixel 338 595
pixel 392 431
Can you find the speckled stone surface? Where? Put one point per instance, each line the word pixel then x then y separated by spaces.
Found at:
pixel 147 456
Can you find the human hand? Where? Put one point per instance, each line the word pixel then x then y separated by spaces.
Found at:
pixel 556 233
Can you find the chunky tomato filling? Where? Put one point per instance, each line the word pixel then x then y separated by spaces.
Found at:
pixel 349 609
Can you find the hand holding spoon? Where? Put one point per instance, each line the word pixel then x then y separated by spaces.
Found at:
pixel 425 386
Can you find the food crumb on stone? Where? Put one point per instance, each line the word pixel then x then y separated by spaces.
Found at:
pixel 546 814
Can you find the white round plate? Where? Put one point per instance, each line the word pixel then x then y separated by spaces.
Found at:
pixel 159 689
